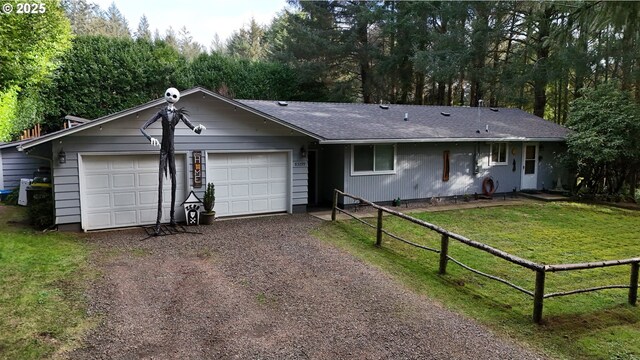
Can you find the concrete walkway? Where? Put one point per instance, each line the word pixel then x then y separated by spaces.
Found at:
pixel 367 211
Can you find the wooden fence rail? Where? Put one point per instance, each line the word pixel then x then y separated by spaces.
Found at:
pixel 540 270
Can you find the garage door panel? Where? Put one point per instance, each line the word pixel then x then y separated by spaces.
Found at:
pixel 124 164
pixel 277 159
pixel 260 159
pixel 239 190
pixel 148 216
pixel 123 181
pixel 222 207
pixel 147 197
pixel 259 173
pixel 240 207
pixel 106 205
pixel 98 201
pixel 125 218
pixel 150 163
pixel 277 172
pixel 98 220
pixel 239 174
pixel 239 159
pixel 278 188
pixel 97 182
pixel 147 179
pixel 218 160
pixel 96 166
pixel 220 175
pixel 222 191
pixel 124 199
pixel 260 189
pixel 278 204
pixel 260 205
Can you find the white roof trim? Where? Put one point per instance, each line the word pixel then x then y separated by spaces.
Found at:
pixel 126 112
pixel 438 140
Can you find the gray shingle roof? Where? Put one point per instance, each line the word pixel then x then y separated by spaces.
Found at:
pixel 337 122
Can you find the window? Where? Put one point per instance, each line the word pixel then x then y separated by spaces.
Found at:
pixel 498 154
pixel 373 159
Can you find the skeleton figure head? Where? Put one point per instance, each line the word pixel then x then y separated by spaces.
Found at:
pixel 172 95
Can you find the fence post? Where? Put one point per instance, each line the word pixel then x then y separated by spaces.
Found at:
pixel 444 251
pixel 633 284
pixel 335 204
pixel 379 229
pixel 538 296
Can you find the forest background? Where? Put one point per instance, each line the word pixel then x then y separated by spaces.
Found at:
pixel 540 56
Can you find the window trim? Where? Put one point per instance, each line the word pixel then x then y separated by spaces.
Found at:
pixel 506 154
pixel 374 172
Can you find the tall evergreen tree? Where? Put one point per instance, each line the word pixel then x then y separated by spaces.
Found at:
pixel 143 31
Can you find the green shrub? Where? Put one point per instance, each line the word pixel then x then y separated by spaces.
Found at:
pixel 40 209
pixel 209 198
pixel 12 199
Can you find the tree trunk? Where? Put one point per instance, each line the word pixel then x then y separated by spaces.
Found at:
pixel 542 56
pixel 419 97
pixel 450 92
pixel 365 66
pixel 461 85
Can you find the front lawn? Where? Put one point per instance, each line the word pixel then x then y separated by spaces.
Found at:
pixel 42 279
pixel 591 325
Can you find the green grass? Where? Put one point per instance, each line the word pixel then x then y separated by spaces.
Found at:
pixel 597 325
pixel 42 279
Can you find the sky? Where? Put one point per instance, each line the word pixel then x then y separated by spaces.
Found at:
pixel 203 18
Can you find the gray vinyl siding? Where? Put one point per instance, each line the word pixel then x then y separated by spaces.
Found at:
pixel 17 165
pixel 419 172
pixel 66 179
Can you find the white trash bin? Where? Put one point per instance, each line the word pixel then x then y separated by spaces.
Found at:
pixel 22 195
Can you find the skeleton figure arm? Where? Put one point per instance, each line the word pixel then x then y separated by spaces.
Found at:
pixel 152 140
pixel 197 129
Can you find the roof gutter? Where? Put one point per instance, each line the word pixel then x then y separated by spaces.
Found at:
pixel 440 140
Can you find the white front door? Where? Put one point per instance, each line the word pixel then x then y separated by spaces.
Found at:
pixel 529 166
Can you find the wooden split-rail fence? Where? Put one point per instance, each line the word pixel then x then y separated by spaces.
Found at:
pixel 538 293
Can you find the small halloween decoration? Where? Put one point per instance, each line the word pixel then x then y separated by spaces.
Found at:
pixel 192 205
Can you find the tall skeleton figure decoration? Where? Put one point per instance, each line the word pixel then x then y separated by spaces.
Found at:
pixel 170 118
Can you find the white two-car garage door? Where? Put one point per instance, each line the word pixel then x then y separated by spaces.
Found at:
pixel 121 190
pixel 249 183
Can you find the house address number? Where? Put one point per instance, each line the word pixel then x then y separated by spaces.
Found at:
pixel 299 164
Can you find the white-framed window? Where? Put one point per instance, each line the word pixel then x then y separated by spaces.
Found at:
pixel 498 154
pixel 373 159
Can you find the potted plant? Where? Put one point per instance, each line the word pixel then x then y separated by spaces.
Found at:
pixel 209 201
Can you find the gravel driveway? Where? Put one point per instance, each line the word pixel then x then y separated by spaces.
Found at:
pixel 265 288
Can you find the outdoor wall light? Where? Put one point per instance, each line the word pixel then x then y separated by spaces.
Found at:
pixel 303 152
pixel 62 157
